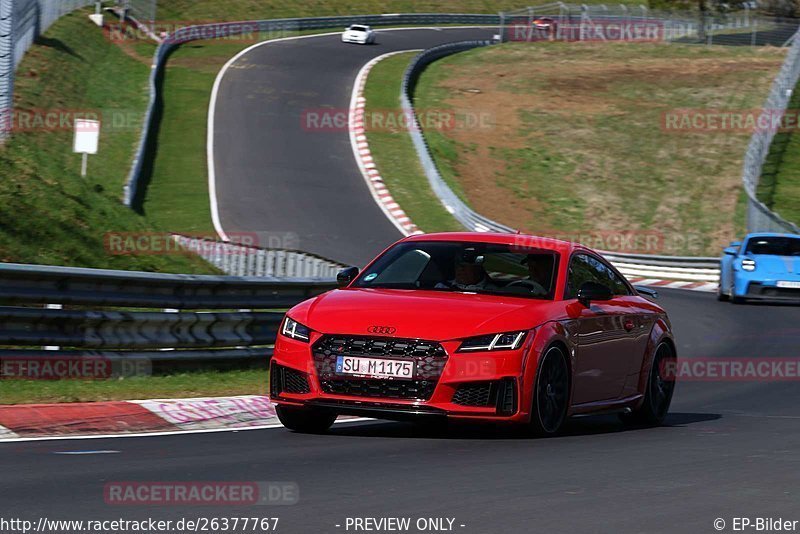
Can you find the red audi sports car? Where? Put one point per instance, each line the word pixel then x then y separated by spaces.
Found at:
pixel 475 326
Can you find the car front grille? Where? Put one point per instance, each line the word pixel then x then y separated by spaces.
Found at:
pixel 429 359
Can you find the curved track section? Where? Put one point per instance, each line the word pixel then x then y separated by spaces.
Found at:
pixel 729 449
pixel 275 171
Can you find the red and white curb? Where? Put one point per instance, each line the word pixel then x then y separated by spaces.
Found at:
pixel 7 434
pixel 673 284
pixel 363 155
pixel 157 416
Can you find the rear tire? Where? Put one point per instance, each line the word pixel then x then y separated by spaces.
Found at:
pixel 550 394
pixel 658 391
pixel 305 420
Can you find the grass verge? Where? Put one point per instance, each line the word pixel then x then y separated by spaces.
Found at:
pixel 393 151
pixel 268 9
pixel 779 187
pixel 193 384
pixel 48 213
pixel 573 139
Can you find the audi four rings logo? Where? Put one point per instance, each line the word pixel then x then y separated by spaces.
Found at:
pixel 383 330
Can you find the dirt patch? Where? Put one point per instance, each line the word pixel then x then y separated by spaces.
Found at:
pixel 572 138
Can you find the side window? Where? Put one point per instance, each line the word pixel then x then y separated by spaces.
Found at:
pixel 613 280
pixel 580 272
pixel 584 268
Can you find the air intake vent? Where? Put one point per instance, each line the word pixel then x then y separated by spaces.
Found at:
pixel 286 380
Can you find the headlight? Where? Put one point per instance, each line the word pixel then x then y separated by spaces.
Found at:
pixel 748 265
pixel 295 330
pixel 505 341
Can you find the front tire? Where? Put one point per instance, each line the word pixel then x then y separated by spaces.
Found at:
pixel 305 420
pixel 658 391
pixel 550 394
pixel 721 296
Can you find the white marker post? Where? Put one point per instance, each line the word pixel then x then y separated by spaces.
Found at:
pixel 87 137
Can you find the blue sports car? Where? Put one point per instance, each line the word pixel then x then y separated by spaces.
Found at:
pixel 764 266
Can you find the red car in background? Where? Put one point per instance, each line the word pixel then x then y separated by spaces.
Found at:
pixel 475 327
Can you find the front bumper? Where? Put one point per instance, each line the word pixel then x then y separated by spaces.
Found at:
pixel 767 289
pixel 470 386
pixel 355 40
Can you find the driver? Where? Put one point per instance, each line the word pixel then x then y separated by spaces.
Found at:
pixel 540 271
pixel 469 274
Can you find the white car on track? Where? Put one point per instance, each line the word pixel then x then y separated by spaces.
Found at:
pixel 359 34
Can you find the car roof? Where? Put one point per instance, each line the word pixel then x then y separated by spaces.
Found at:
pixel 771 234
pixel 522 240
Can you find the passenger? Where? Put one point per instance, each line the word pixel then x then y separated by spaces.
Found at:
pixel 469 274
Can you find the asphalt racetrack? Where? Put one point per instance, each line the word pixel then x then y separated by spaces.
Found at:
pixel 728 449
pixel 276 172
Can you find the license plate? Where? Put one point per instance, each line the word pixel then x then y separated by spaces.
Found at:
pixel 374 367
pixel 789 284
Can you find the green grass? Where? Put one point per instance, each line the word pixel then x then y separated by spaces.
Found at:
pixel 193 384
pixel 48 213
pixel 575 141
pixel 394 152
pixel 779 187
pixel 267 9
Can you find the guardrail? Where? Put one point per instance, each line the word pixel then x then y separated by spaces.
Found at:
pixel 133 330
pixel 759 217
pixel 704 269
pixel 132 193
pixel 242 260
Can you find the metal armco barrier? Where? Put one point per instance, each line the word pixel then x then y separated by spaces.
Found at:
pixel 240 260
pixel 34 284
pixel 273 28
pixel 136 330
pixel 759 217
pixel 134 334
pixel 461 212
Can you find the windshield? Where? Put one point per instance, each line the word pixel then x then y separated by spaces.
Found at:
pixel 358 28
pixel 464 267
pixel 774 246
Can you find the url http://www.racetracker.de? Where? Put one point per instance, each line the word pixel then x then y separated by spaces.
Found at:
pixel 233 525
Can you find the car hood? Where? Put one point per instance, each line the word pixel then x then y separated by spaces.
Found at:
pixel 419 314
pixel 777 264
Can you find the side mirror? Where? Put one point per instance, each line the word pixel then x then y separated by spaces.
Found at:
pixel 590 291
pixel 735 243
pixel 646 291
pixel 346 276
pixel 731 251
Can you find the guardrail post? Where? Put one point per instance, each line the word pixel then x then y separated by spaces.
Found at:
pixel 6 67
